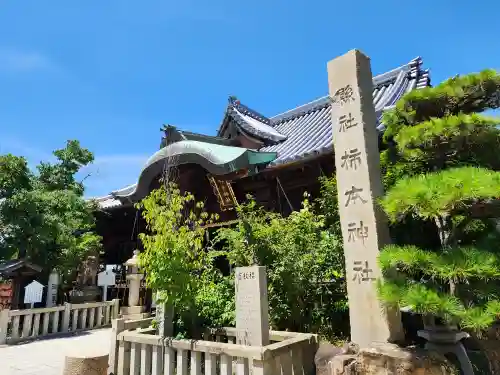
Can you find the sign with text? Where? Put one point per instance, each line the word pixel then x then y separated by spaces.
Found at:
pixel 252 316
pixel 33 293
pixel 364 226
pixel 104 279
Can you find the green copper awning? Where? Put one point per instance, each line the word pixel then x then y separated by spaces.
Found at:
pixel 215 158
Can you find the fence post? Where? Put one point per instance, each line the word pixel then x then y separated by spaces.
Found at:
pixel 118 326
pixel 4 324
pixel 66 317
pixel 116 308
pixel 263 367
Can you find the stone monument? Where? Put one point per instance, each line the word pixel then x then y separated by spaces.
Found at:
pixel 134 278
pixel 52 289
pixel 252 316
pixel 86 289
pixel 164 316
pixel 364 226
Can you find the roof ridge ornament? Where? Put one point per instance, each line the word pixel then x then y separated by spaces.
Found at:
pixel 233 100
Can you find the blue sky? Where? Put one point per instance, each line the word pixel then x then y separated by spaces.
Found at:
pixel 110 73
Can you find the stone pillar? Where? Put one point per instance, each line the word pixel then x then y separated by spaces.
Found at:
pixel 134 278
pixel 52 288
pixel 165 317
pixel 364 226
pixel 252 316
pixel 134 288
pixel 66 317
pixel 4 325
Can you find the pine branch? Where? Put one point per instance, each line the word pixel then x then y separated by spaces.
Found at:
pixel 461 264
pixel 463 94
pixel 444 193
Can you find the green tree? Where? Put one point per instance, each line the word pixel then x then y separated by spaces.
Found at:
pixel 176 261
pixel 43 216
pixel 304 264
pixel 441 167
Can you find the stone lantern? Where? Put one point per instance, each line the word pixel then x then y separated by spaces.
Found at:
pixel 134 278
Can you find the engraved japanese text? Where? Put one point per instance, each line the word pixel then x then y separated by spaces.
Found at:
pixel 354 195
pixel 351 159
pixel 362 271
pixel 357 231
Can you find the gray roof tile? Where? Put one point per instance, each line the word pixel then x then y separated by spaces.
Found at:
pixel 308 128
pixel 306 131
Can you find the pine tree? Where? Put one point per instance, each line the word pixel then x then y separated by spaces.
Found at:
pixel 441 165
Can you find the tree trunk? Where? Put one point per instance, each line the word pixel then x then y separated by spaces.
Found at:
pixel 444 226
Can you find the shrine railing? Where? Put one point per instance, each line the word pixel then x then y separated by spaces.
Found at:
pixel 22 325
pixel 135 349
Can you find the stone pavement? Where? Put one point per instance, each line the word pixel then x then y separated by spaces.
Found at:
pixel 46 357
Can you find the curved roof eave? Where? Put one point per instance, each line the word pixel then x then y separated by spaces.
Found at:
pixel 216 159
pixel 256 128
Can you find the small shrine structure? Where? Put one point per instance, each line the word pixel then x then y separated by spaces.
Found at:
pixel 19 272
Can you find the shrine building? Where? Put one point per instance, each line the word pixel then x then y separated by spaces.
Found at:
pixel 275 159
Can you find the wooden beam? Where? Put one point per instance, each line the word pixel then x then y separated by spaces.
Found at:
pixel 222 224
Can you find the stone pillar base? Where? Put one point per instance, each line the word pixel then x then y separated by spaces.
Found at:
pixel 387 359
pixel 86 365
pixel 133 312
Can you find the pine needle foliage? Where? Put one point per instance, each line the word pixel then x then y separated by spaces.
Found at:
pixel 441 167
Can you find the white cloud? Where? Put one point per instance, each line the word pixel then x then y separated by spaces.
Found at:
pixel 23 61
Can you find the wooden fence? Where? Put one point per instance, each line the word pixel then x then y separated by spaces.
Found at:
pixel 136 350
pixel 22 325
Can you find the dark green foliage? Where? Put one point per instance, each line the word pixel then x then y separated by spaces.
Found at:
pixel 304 263
pixel 440 167
pixel 40 213
pixel 304 260
pixel 178 265
pixel 459 95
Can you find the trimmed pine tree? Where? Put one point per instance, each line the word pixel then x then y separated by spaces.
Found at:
pixel 442 165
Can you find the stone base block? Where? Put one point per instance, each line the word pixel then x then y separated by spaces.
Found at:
pixel 343 364
pixel 85 294
pixel 131 310
pixel 136 316
pixel 388 359
pixel 381 359
pixel 86 365
pixel 324 357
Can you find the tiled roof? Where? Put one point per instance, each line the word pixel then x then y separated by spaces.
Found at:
pixel 111 200
pixel 306 131
pixel 309 127
pixel 16 264
pixel 250 122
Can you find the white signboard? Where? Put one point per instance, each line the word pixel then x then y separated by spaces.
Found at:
pixel 104 279
pixel 33 293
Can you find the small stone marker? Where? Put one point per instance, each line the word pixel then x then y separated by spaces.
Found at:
pixel 52 289
pixel 164 317
pixel 252 317
pixel 33 293
pixel 364 226
pixel 104 279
